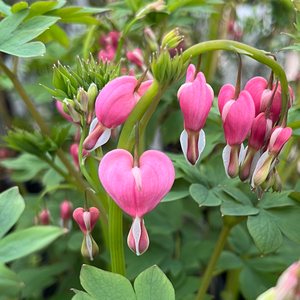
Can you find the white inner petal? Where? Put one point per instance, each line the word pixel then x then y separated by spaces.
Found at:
pixel 136 232
pixel 102 140
pixel 89 245
pixel 226 158
pixel 260 162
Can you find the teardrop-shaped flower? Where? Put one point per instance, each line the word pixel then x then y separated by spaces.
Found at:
pixel 136 190
pixel 195 99
pixel 113 106
pixel 86 219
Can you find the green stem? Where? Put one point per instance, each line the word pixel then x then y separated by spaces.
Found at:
pixel 241 48
pixel 208 274
pixel 88 41
pixel 16 60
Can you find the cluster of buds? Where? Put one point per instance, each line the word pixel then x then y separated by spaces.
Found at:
pixel 113 106
pixel 86 219
pixel 110 45
pixel 256 109
pixel 287 287
pixel 137 186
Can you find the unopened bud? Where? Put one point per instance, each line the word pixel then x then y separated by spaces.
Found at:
pixel 45 217
pixel 89 248
pixel 72 112
pixel 82 98
pixel 92 94
pixel 172 39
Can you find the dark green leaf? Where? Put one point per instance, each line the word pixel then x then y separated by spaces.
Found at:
pixel 180 189
pixel 235 209
pixel 265 232
pixel 11 207
pixel 203 196
pixel 10 283
pixel 229 261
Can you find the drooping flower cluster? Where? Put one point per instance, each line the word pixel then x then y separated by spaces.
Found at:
pixel 110 45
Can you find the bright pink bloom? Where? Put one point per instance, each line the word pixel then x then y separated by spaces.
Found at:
pixel 107 55
pixel 74 152
pixel 136 56
pixel 45 217
pixel 86 219
pixel 237 118
pixel 136 190
pixel 113 106
pixel 261 94
pixel 195 99
pixel 59 106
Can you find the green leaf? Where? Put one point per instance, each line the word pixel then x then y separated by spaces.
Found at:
pixel 203 196
pixel 235 209
pixel 26 50
pixel 11 207
pixel 24 242
pixel 9 24
pixel 19 6
pixel 10 283
pixel 82 20
pixel 153 284
pixel 103 285
pixel 172 127
pixel 267 264
pixel 229 261
pixel 180 189
pixel 236 194
pixel 41 7
pixel 264 232
pixel 277 200
pixel 81 296
pixel 59 35
pixel 5 9
pixel 287 220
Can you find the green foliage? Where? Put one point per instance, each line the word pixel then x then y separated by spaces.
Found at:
pixel 152 284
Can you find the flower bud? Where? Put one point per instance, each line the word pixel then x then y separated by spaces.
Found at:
pixel 136 56
pixel 66 210
pixel 73 113
pixel 45 216
pixel 107 55
pixel 172 39
pixel 86 219
pixel 82 97
pixel 92 94
pixel 74 152
pixel 89 247
pixel 61 110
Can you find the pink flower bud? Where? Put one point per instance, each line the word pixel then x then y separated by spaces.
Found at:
pixel 261 94
pixel 279 136
pixel 110 40
pixel 45 217
pixel 74 152
pixel 66 210
pixel 59 106
pixel 107 55
pixel 113 106
pixel 195 99
pixel 86 219
pixel 136 56
pixel 136 190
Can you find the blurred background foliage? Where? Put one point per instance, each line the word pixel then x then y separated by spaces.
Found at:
pixel 182 234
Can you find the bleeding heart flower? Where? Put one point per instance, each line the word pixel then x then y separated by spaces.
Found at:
pixel 66 208
pixel 107 54
pixel 136 56
pixel 195 99
pixel 136 190
pixel 45 216
pixel 113 106
pixel 86 219
pixel 237 118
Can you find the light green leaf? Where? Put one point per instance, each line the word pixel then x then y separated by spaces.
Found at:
pixel 59 35
pixel 9 24
pixel 81 296
pixel 103 285
pixel 19 6
pixel 82 20
pixel 10 284
pixel 41 7
pixel 11 207
pixel 4 8
pixel 24 242
pixel 26 50
pixel 235 209
pixel 153 284
pixel 203 196
pixel 264 232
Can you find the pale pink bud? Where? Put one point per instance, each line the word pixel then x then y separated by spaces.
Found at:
pixel 195 99
pixel 74 152
pixel 113 106
pixel 136 190
pixel 66 210
pixel 136 56
pixel 45 217
pixel 86 219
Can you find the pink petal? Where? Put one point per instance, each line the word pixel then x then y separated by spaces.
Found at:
pixel 226 94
